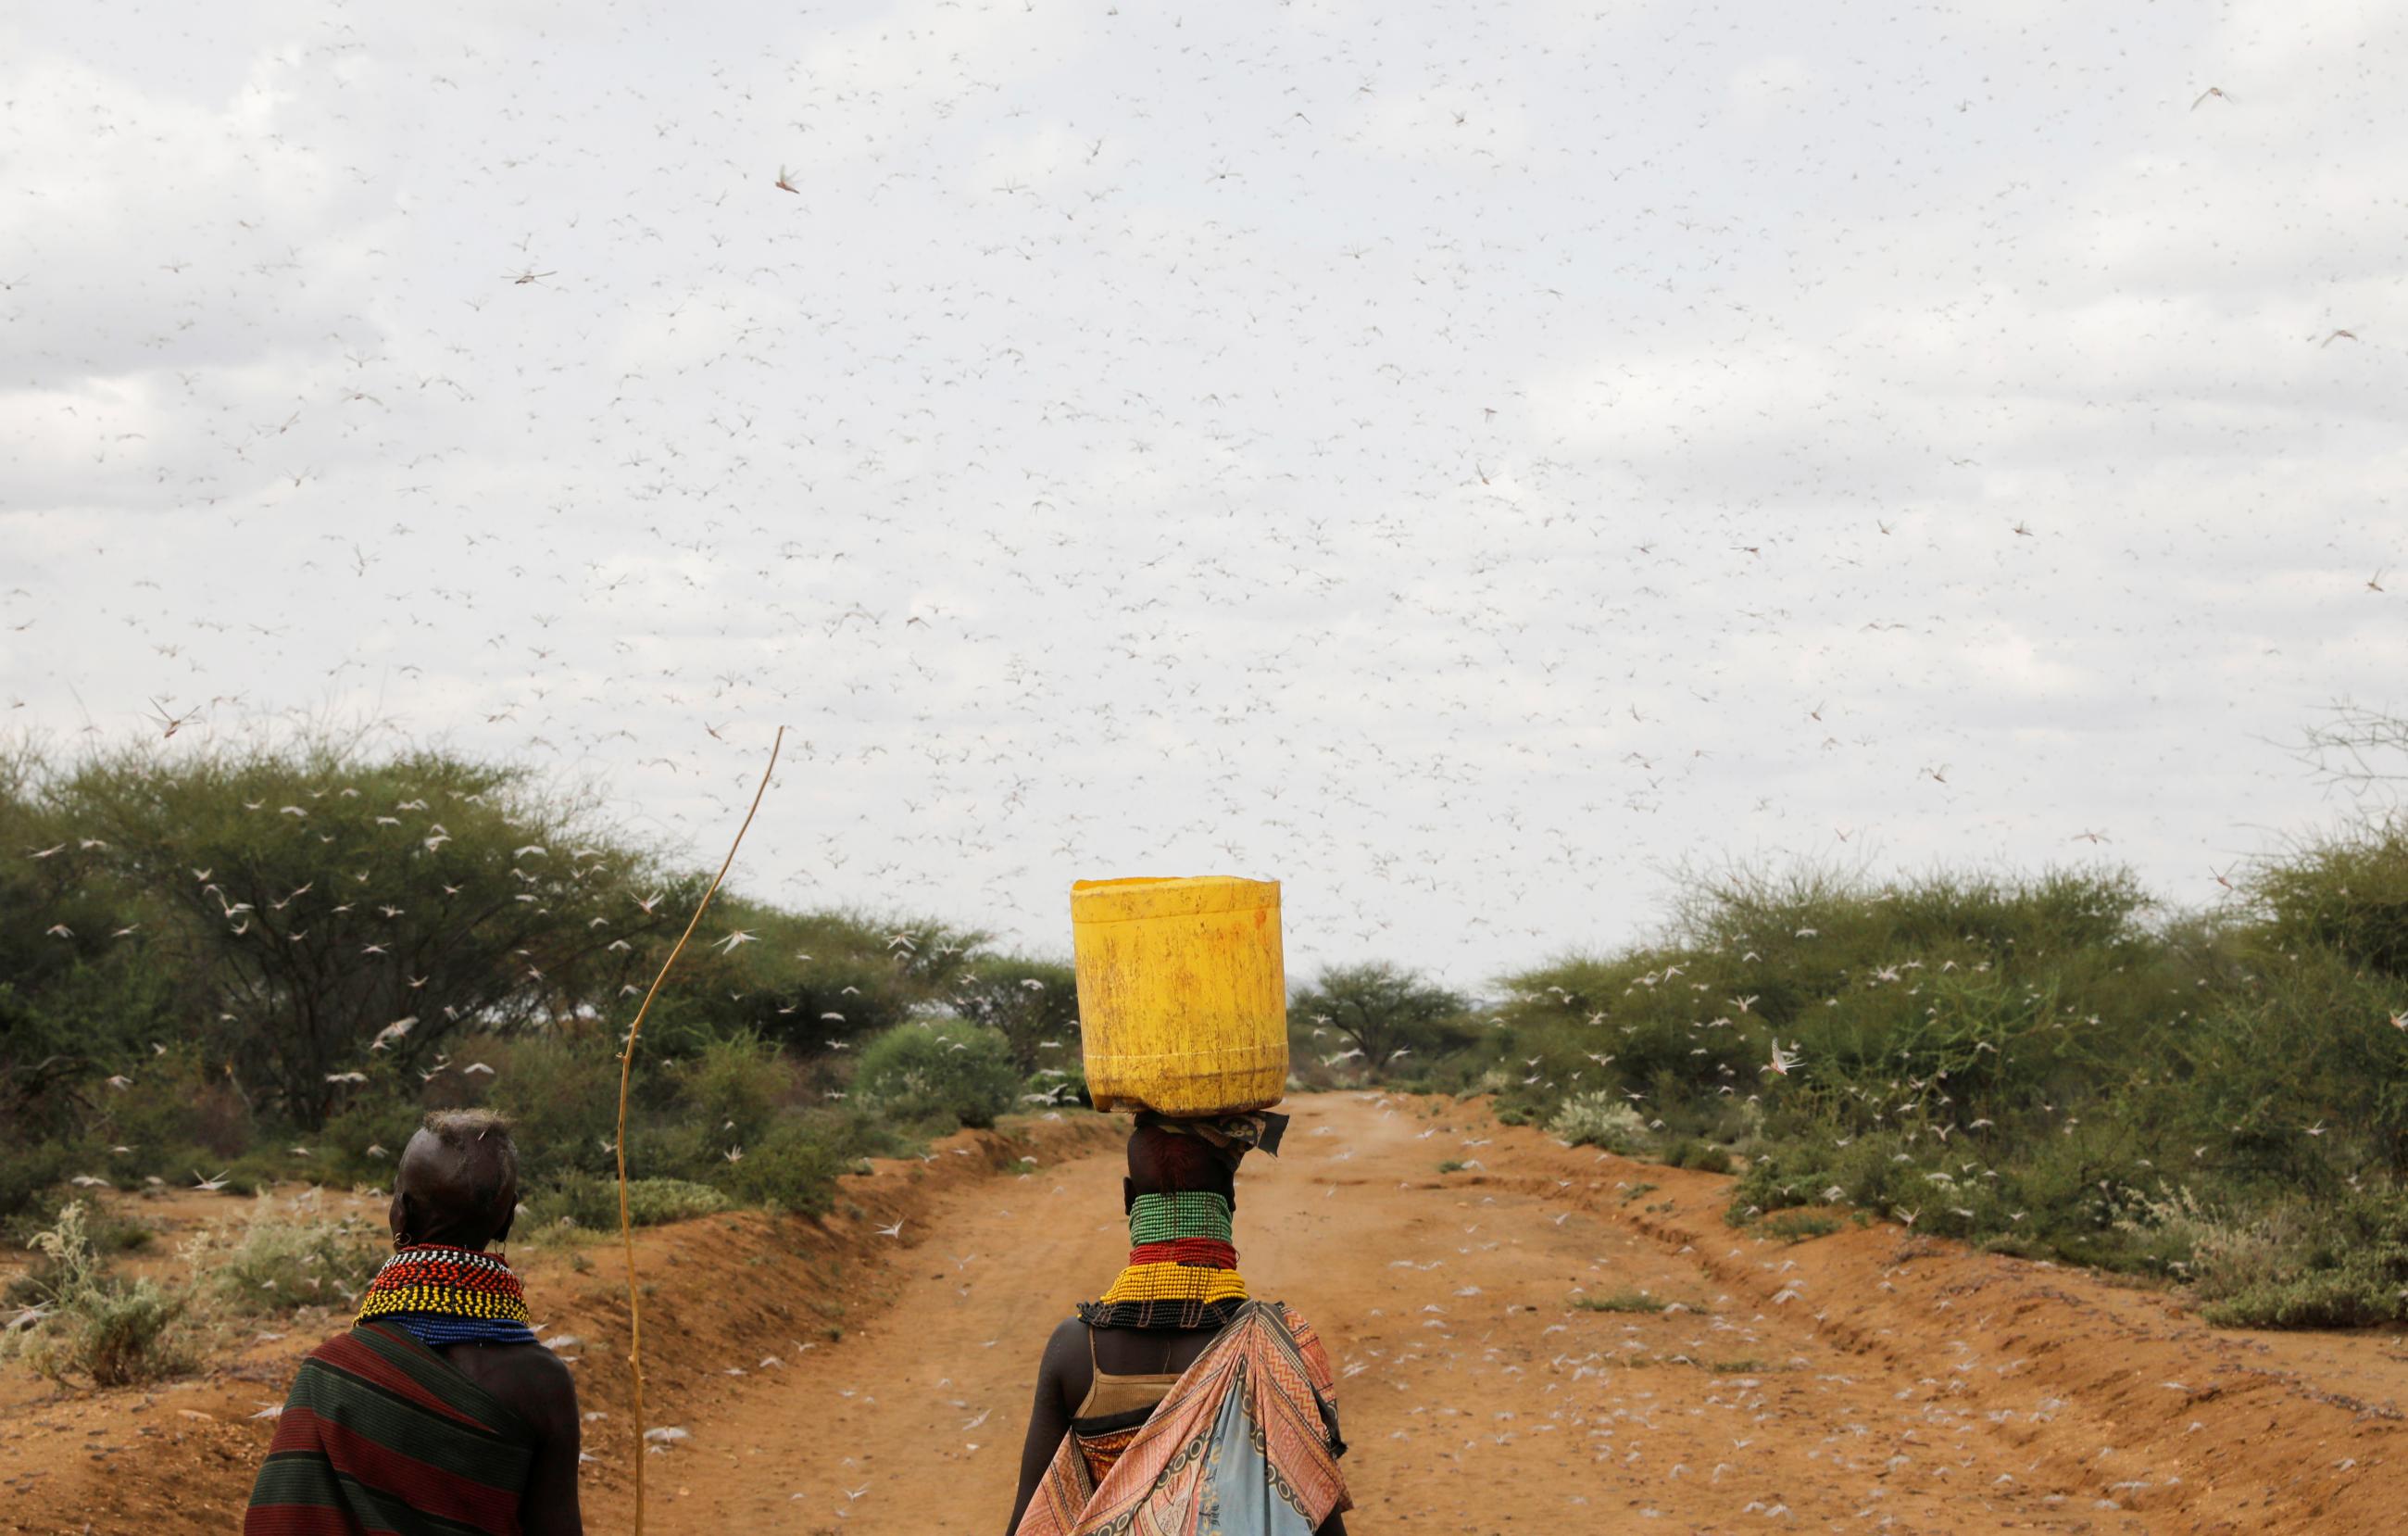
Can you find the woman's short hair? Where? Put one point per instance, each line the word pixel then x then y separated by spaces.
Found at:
pixel 479 1141
pixel 1162 1162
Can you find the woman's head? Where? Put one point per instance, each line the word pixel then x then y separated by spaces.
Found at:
pixel 1161 1161
pixel 458 1181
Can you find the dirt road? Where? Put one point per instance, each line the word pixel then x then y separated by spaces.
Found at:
pixel 828 1378
pixel 1864 1380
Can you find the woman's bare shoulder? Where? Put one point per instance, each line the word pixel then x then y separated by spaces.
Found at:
pixel 1069 1331
pixel 1065 1348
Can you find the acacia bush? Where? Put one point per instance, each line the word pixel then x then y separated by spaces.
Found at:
pixel 329 905
pixel 1374 1021
pixel 2041 1065
pixel 84 979
pixel 561 1092
pixel 31 1172
pixel 2346 892
pixel 791 1169
pixel 1033 1004
pixel 939 1075
pixel 734 1087
pixel 809 981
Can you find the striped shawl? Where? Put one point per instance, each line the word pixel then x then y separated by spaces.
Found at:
pixel 381 1435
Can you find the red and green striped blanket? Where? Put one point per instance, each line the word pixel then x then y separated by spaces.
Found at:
pixel 381 1435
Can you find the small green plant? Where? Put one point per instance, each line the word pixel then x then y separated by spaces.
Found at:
pixel 1621 1300
pixel 591 1202
pixel 1703 1156
pixel 124 1336
pixel 1600 1119
pixel 1799 1225
pixel 652 1201
pixel 1453 1165
pixel 83 1322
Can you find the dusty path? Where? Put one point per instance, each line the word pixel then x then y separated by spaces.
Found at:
pixel 1864 1380
pixel 828 1379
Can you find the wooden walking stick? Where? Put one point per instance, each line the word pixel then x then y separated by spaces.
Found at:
pixel 626 1067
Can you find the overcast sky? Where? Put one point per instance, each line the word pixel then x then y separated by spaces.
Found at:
pixel 1461 462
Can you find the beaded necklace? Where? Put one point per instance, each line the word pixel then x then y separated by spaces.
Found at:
pixel 1182 1267
pixel 441 1295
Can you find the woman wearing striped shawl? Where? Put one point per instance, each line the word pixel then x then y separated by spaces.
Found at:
pixel 1176 1403
pixel 439 1414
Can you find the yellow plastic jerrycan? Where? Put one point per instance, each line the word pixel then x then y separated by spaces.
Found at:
pixel 1182 993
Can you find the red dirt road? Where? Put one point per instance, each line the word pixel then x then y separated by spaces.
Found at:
pixel 1864 1380
pixel 1867 1379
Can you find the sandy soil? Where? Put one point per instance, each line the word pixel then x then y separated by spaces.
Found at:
pixel 1867 1379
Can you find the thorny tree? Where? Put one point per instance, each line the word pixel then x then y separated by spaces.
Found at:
pixel 350 915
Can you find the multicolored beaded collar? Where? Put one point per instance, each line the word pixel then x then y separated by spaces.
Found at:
pixel 442 1295
pixel 1182 1267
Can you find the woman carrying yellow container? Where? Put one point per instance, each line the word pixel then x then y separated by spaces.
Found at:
pixel 1176 1400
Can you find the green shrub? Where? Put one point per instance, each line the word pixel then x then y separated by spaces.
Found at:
pixel 953 1074
pixel 115 1232
pixel 1622 1300
pixel 652 1201
pixel 362 1143
pixel 32 1172
pixel 85 1322
pixel 1034 1004
pixel 788 1170
pixel 176 1106
pixel 591 1202
pixel 287 1257
pixel 1704 1155
pixel 562 1095
pixel 123 1336
pixel 732 1087
pixel 1799 1225
pixel 1600 1119
pixel 676 1149
pixel 1061 1082
pixel 2337 1264
pixel 2346 891
pixel 66 1263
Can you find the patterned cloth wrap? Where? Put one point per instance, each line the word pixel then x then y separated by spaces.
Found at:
pixel 441 1295
pixel 1182 1267
pixel 1245 1444
pixel 1256 1130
